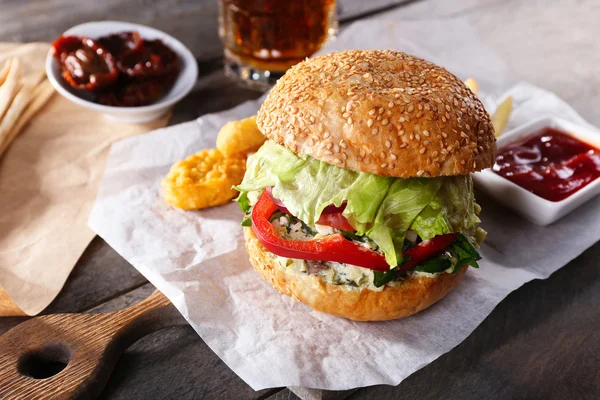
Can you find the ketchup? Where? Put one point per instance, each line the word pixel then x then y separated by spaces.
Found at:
pixel 549 163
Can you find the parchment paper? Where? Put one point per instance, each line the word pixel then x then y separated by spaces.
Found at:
pixel 48 182
pixel 198 259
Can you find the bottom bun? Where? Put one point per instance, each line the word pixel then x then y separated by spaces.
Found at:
pixel 403 299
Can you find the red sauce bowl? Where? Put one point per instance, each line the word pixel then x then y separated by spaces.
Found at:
pixel 545 169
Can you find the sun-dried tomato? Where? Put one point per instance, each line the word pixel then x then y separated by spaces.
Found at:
pixel 133 93
pixel 153 59
pixel 122 43
pixel 84 63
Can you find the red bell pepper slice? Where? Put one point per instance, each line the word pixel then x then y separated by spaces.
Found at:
pixel 335 247
pixel 426 250
pixel 329 248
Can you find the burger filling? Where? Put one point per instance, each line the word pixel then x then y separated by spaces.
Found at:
pixel 354 228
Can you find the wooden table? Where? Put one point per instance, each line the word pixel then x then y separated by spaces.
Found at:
pixel 542 341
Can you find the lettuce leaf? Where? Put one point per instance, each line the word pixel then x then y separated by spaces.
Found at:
pixel 383 208
pixel 453 210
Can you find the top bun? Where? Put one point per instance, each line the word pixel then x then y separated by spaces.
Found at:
pixel 380 111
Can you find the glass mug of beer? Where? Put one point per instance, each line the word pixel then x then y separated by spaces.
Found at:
pixel 263 38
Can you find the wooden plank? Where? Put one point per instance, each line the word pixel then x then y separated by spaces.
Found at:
pixel 171 364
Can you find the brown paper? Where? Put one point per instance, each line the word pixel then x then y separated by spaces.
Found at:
pixel 48 182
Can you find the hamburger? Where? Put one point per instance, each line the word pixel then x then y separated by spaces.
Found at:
pixel 360 203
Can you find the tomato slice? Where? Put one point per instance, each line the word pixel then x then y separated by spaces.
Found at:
pixel 331 215
pixel 336 247
pixel 336 220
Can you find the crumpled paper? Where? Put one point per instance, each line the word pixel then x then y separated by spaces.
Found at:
pixel 198 258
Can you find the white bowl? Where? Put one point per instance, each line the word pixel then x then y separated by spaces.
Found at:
pixel 184 83
pixel 537 209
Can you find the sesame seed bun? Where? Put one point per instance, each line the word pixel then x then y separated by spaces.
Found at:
pixel 402 300
pixel 382 112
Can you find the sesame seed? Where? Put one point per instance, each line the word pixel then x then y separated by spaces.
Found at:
pixel 393 157
pixel 417 136
pixel 388 144
pixel 328 153
pixel 326 135
pixel 390 104
pixel 404 145
pixel 343 108
pixel 349 121
pixel 434 154
pixel 370 123
pixel 372 112
pixel 329 146
pixel 412 136
pixel 383 165
pixel 381 110
pixel 426 142
pixel 375 131
pixel 337 161
pixel 385 121
pixel 462 162
pixel 343 145
pixel 401 132
pixel 411 108
pixel 426 133
pixel 420 172
pixel 345 115
pixel 336 148
pixel 444 135
pixel 422 151
pixel 402 119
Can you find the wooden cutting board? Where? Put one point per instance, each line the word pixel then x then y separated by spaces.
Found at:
pixel 71 356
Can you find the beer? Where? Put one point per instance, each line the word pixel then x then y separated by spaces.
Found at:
pixel 263 38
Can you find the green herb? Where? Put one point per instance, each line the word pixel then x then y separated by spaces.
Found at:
pixel 307 229
pixel 381 278
pixel 246 222
pixel 465 253
pixel 435 265
pixel 243 201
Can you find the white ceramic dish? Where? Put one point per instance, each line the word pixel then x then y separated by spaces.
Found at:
pixel 529 205
pixel 185 81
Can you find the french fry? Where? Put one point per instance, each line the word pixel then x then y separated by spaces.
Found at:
pixel 500 117
pixel 40 95
pixel 473 85
pixel 4 72
pixel 8 88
